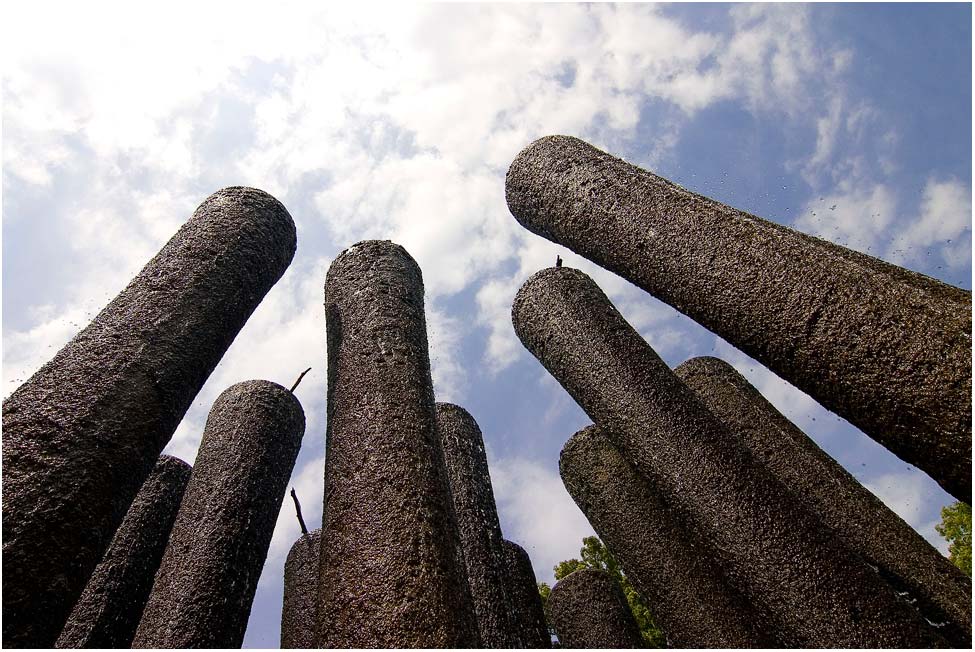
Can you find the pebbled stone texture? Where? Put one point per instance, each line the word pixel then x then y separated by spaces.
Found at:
pixel 589 611
pixel 525 604
pixel 902 556
pixel 477 520
pixel 206 582
pixel 300 605
pixel 111 605
pixel 390 568
pixel 888 349
pixel 776 552
pixel 82 435
pixel 678 575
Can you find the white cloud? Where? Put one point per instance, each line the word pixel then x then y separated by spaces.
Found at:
pixel 537 513
pixel 855 217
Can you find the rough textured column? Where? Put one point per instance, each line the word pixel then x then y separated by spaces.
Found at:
pixel 206 582
pixel 299 609
pixel 82 435
pixel 391 575
pixel 525 604
pixel 477 520
pixel 837 324
pixel 679 575
pixel 903 557
pixel 589 610
pixel 776 551
pixel 111 605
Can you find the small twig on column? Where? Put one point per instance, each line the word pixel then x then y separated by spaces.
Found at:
pixel 299 379
pixel 294 496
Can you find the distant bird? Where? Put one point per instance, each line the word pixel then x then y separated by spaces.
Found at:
pixel 558 261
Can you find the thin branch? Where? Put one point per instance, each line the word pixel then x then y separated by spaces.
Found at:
pixel 294 496
pixel 299 379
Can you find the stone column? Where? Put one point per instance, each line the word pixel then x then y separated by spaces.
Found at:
pixel 526 612
pixel 903 557
pixel 477 520
pixel 299 609
pixel 111 605
pixel 776 551
pixel 588 610
pixel 82 435
pixel 678 575
pixel 837 324
pixel 206 582
pixel 391 574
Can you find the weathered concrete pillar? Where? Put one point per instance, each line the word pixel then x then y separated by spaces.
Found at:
pixel 525 604
pixel 299 609
pixel 82 435
pixel 677 574
pixel 588 610
pixel 111 605
pixel 776 551
pixel 477 520
pixel 391 575
pixel 837 324
pixel 903 557
pixel 206 582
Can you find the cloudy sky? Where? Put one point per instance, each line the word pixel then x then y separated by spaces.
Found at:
pixel 399 122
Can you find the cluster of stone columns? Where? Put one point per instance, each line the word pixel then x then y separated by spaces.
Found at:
pixel 410 553
pixel 837 324
pixel 735 527
pixel 82 436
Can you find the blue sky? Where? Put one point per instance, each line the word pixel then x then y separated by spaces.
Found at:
pixel 852 122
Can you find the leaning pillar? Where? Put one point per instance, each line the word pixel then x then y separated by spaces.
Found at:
pixel 390 571
pixel 835 323
pixel 82 435
pixel 678 575
pixel 477 520
pixel 776 551
pixel 111 605
pixel 299 608
pixel 589 611
pixel 903 557
pixel 206 582
pixel 527 614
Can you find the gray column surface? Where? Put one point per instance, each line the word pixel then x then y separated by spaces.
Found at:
pixel 206 582
pixel 84 432
pixel 678 575
pixel 903 557
pixel 477 520
pixel 111 605
pixel 888 349
pixel 300 604
pixel 525 604
pixel 776 551
pixel 390 572
pixel 589 611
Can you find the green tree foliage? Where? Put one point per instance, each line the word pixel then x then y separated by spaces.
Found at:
pixel 956 528
pixel 596 555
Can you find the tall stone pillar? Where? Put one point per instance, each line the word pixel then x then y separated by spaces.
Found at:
pixel 477 520
pixel 82 435
pixel 677 574
pixel 111 605
pixel 776 551
pixel 837 324
pixel 903 557
pixel 588 610
pixel 526 612
pixel 206 582
pixel 390 571
pixel 300 605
